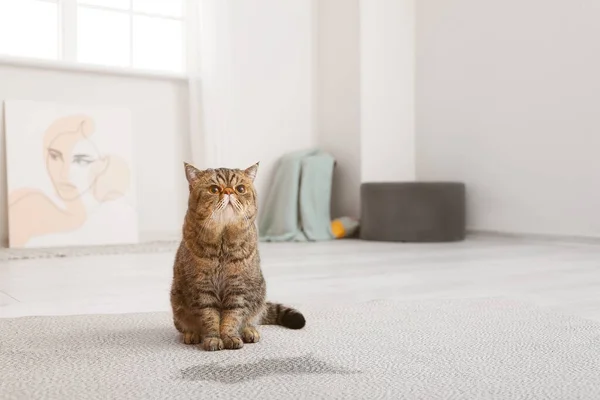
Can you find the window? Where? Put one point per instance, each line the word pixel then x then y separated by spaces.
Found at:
pixel 138 34
pixel 29 28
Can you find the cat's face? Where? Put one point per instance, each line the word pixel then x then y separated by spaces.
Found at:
pixel 222 196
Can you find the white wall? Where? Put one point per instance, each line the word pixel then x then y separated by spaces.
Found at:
pixel 508 96
pixel 338 56
pixel 260 82
pixel 387 89
pixel 160 120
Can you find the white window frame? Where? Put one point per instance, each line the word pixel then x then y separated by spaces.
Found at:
pixel 67 44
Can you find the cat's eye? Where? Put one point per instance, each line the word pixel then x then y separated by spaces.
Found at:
pixel 240 189
pixel 214 189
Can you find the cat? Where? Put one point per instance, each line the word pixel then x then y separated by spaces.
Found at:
pixel 218 290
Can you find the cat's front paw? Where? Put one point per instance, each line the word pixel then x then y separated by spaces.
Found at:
pixel 250 335
pixel 232 342
pixel 191 338
pixel 212 344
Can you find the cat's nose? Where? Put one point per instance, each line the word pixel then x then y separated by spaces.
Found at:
pixel 228 191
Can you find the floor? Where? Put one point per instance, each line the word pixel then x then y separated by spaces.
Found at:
pixel 560 276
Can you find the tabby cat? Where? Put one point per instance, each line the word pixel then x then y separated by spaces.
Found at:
pixel 218 290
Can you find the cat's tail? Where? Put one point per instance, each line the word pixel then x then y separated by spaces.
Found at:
pixel 278 314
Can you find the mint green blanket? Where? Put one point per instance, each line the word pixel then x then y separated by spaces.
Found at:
pixel 297 208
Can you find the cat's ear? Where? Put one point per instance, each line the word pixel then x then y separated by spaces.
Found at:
pixel 191 173
pixel 251 171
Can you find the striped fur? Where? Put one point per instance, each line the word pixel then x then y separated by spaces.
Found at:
pixel 278 314
pixel 218 290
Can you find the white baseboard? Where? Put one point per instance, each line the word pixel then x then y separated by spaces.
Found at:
pixel 160 236
pixel 150 242
pixel 536 237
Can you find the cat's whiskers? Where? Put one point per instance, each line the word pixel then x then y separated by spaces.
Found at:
pixel 236 204
pixel 235 201
pixel 221 206
pixel 240 208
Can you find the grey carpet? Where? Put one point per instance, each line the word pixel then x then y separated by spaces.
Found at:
pixel 459 349
pixel 159 246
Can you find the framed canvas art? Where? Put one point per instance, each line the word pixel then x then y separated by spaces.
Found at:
pixel 71 180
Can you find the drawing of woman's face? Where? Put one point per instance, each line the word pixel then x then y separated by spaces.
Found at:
pixel 72 161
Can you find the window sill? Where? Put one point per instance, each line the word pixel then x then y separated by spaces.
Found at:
pixel 59 65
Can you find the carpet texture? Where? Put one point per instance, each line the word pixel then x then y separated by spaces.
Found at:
pixel 159 246
pixel 458 349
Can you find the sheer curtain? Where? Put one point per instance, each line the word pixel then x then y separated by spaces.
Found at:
pixel 209 65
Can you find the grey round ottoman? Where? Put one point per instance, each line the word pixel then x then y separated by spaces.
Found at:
pixel 413 211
